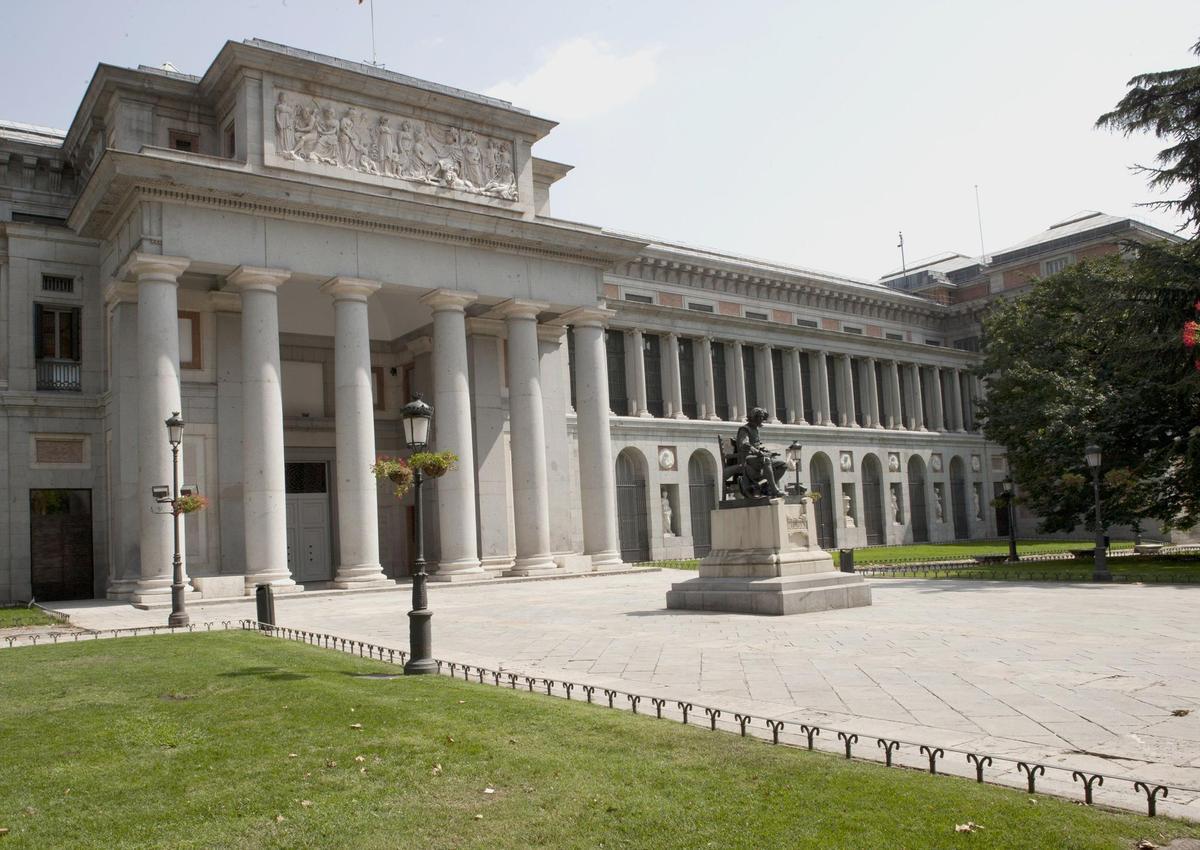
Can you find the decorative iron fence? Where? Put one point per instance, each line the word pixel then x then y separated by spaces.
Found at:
pixel 62 375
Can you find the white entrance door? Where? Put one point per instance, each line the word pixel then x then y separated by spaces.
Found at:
pixel 308 532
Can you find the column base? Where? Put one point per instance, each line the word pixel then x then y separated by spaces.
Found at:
pixel 155 590
pixel 356 576
pixel 712 417
pixel 645 414
pixel 459 571
pixel 496 565
pixel 679 415
pixel 606 561
pixel 538 565
pixel 279 583
pixel 573 562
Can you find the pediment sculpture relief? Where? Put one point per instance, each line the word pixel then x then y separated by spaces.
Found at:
pixel 375 143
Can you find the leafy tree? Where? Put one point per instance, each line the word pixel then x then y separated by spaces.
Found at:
pixel 1095 353
pixel 1167 103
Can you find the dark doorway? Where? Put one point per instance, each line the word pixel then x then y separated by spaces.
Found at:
pixel 702 489
pixel 958 496
pixel 60 544
pixel 916 500
pixel 872 482
pixel 632 525
pixel 820 473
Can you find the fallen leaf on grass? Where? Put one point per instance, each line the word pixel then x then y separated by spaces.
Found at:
pixel 355 725
pixel 3 830
pixel 1145 844
pixel 489 790
pixel 331 763
pixel 478 817
pixel 969 826
pixel 362 770
pixel 462 702
pixel 449 739
pixel 306 803
pixel 291 755
pixel 279 818
pixel 437 770
pixel 360 759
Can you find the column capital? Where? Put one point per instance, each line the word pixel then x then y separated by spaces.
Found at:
pixel 141 265
pixel 350 288
pixel 516 308
pixel 588 317
pixel 443 300
pixel 253 277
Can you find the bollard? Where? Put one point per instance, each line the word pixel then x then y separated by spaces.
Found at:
pixel 847 560
pixel 265 596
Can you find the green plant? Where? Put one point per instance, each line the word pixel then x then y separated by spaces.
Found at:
pixel 190 504
pixel 394 469
pixel 433 464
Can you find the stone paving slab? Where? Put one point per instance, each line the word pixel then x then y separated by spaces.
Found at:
pixel 1083 675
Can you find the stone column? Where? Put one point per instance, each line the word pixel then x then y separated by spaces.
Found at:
pixel 937 411
pixel 871 389
pixel 896 408
pixel 531 492
pixel 846 375
pixel 597 474
pixel 674 381
pixel 956 400
pixel 354 424
pixel 737 404
pixel 638 360
pixel 457 526
pixel 708 383
pixel 765 375
pixel 794 401
pixel 157 281
pixel 824 412
pixel 264 498
pixel 918 400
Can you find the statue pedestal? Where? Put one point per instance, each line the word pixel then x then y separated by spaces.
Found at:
pixel 762 562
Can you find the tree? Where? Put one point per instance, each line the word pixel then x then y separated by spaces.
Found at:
pixel 1095 353
pixel 1167 103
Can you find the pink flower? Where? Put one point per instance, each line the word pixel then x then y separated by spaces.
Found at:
pixel 1190 331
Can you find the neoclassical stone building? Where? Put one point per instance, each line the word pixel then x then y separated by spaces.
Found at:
pixel 289 246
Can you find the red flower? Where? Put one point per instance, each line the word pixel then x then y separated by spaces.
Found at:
pixel 1190 331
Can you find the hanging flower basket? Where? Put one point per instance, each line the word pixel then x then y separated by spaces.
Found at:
pixel 397 471
pixel 190 504
pixel 433 464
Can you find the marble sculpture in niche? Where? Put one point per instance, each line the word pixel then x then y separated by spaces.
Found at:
pixel 370 142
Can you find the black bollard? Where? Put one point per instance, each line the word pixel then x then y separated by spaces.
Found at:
pixel 847 560
pixel 265 597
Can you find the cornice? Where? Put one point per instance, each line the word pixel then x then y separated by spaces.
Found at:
pixel 121 179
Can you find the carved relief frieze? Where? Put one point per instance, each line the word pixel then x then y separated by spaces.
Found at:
pixel 388 145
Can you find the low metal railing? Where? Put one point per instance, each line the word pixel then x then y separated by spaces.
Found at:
pixel 60 375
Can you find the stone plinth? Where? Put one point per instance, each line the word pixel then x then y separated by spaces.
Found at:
pixel 763 561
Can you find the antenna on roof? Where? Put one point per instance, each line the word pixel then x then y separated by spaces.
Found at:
pixel 903 266
pixel 374 58
pixel 979 218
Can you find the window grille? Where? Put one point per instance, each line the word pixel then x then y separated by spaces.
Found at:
pixel 58 283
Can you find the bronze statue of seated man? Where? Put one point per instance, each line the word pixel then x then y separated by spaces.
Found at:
pixel 762 468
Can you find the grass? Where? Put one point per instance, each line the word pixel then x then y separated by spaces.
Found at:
pixel 1150 569
pixel 236 740
pixel 969 549
pixel 14 617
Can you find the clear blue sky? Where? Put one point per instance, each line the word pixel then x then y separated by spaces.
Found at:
pixel 800 132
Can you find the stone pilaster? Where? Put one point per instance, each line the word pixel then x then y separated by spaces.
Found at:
pixel 735 377
pixel 636 351
pixel 674 384
pixel 708 383
pixel 824 412
pixel 765 374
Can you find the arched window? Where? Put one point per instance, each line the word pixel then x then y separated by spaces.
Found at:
pixel 872 490
pixel 820 475
pixel 916 500
pixel 702 493
pixel 633 530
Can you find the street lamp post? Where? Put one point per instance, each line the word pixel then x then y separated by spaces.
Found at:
pixel 793 455
pixel 416 416
pixel 1009 496
pixel 179 616
pixel 1100 571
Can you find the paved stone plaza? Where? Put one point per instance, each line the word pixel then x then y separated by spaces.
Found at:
pixel 1083 675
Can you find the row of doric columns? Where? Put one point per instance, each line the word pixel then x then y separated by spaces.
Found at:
pixel 264 499
pixel 892 394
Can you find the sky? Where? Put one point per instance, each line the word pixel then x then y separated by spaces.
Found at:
pixel 800 132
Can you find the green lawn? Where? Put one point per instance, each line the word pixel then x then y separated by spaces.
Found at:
pixel 969 549
pixel 236 740
pixel 13 617
pixel 1149 569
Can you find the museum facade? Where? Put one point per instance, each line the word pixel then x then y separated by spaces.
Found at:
pixel 290 246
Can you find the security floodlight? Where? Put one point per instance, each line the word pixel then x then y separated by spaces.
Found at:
pixel 189 490
pixel 161 493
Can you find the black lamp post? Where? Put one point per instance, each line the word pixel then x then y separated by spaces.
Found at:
pixel 1100 571
pixel 416 415
pixel 793 455
pixel 178 616
pixel 1009 497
